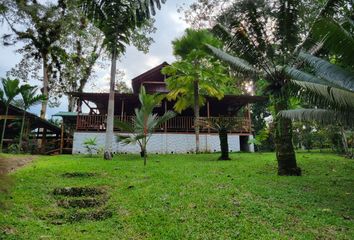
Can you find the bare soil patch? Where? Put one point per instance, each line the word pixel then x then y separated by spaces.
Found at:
pixel 10 164
pixel 79 174
pixel 82 203
pixel 79 191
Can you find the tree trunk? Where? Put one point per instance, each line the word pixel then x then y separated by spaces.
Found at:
pixel 345 142
pixel 45 86
pixel 108 155
pixel 196 114
pixel 283 143
pixel 71 103
pixel 145 157
pixel 144 145
pixel 224 145
pixel 22 127
pixel 3 128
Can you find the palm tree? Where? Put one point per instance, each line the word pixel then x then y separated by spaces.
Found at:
pixel 222 125
pixel 29 99
pixel 262 50
pixel 117 19
pixel 195 75
pixel 10 89
pixel 143 123
pixel 327 86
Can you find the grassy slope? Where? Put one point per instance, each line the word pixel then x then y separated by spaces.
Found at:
pixel 190 197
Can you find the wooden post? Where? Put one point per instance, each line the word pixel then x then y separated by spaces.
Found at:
pixel 62 137
pixel 249 118
pixel 208 113
pixel 166 121
pixel 44 140
pixel 122 110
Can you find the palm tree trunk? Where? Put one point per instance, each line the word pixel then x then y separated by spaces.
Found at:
pixel 196 115
pixel 283 143
pixel 108 155
pixel 45 86
pixel 224 145
pixel 3 128
pixel 22 127
pixel 144 150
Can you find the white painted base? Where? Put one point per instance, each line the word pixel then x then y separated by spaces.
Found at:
pixel 162 143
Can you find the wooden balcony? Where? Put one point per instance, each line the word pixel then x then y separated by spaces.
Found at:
pixel 178 124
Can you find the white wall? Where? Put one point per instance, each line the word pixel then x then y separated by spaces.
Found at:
pixel 161 143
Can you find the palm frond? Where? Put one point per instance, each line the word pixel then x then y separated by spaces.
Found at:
pixel 330 72
pixel 2 95
pixel 11 88
pixel 335 96
pixel 164 118
pixel 129 139
pixel 337 39
pixel 302 76
pixel 124 126
pixel 240 64
pixel 322 116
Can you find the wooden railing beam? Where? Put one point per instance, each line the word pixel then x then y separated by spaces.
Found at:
pixel 176 124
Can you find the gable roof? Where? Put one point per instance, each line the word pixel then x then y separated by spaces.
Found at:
pixel 153 75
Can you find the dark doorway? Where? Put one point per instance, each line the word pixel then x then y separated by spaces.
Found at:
pixel 244 146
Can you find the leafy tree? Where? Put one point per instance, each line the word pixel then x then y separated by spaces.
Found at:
pixel 10 89
pixel 262 50
pixel 118 21
pixel 143 123
pixel 84 49
pixel 39 26
pixel 195 75
pixel 83 44
pixel 28 99
pixel 122 87
pixel 203 14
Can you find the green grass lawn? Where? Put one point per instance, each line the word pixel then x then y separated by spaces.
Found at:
pixel 183 197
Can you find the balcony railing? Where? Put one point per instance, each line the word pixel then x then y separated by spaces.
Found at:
pixel 177 124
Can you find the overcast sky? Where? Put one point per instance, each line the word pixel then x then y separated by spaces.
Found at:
pixel 169 26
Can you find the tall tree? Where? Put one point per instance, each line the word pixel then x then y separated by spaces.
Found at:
pixel 195 75
pixel 262 38
pixel 39 27
pixel 327 84
pixel 202 14
pixel 118 21
pixel 83 44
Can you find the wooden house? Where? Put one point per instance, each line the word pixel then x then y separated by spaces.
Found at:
pixel 177 135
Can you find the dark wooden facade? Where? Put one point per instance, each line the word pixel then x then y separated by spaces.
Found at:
pixel 231 106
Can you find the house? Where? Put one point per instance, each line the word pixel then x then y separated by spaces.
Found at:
pixel 41 136
pixel 176 136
